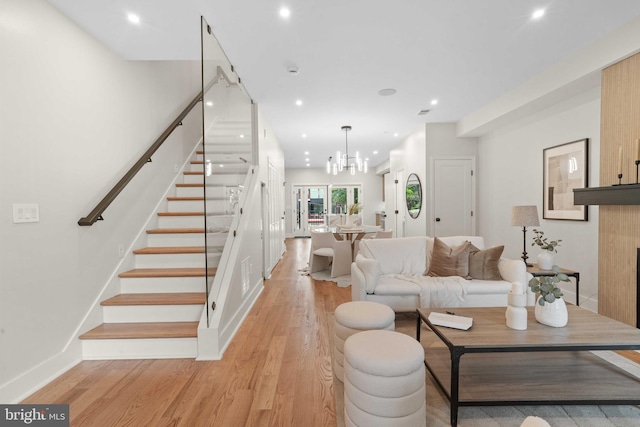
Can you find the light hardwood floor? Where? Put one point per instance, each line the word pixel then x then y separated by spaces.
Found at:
pixel 276 372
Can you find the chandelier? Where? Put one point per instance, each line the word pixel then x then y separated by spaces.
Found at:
pixel 345 162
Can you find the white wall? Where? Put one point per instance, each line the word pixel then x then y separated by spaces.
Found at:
pixel 415 155
pixel 73 118
pixel 370 182
pixel 510 173
pixel 270 153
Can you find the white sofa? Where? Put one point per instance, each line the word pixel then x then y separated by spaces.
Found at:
pixel 393 272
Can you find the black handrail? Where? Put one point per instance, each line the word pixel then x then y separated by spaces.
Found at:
pixel 96 213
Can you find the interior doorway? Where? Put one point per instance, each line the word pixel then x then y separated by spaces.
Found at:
pixel 310 208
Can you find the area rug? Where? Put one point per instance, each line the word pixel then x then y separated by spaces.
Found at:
pixel 325 275
pixel 507 416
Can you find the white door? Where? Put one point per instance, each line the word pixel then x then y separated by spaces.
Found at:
pixel 454 197
pixel 309 209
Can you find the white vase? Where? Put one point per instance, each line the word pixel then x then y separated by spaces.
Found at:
pixel 545 260
pixel 552 314
pixel 349 220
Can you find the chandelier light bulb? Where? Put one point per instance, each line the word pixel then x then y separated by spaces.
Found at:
pixel 344 162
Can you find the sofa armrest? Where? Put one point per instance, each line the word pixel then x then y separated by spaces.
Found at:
pixel 371 270
pixel 515 271
pixel 357 284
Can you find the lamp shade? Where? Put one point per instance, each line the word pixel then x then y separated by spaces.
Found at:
pixel 524 216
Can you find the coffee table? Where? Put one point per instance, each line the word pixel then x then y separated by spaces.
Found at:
pixel 539 366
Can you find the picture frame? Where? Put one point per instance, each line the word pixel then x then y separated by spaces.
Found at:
pixel 565 167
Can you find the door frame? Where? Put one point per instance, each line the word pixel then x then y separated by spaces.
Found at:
pixel 305 230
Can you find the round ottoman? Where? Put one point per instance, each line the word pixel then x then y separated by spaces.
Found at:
pixel 358 316
pixel 384 380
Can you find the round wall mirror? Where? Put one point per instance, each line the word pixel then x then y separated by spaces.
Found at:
pixel 414 195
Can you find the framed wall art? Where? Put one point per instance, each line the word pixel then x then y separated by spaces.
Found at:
pixel 565 167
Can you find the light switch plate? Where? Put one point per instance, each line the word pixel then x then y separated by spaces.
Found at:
pixel 26 212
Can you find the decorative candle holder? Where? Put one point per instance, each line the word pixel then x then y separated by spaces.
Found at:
pixel 619 179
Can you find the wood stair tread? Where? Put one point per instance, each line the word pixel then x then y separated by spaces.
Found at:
pixel 199 230
pixel 155 250
pixel 180 213
pixel 187 185
pixel 143 330
pixel 167 272
pixel 182 298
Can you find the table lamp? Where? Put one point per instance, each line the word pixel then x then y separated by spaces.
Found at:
pixel 524 216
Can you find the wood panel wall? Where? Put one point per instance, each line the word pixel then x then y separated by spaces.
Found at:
pixel 619 226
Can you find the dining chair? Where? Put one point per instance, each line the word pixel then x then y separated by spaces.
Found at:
pixel 327 252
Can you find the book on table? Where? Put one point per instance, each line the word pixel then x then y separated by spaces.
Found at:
pixel 450 320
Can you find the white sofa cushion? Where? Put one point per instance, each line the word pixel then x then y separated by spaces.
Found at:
pixel 391 285
pixel 486 287
pixel 405 255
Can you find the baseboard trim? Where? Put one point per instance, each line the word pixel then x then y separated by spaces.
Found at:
pixel 23 386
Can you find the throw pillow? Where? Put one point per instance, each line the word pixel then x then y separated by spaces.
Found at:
pixel 483 265
pixel 446 261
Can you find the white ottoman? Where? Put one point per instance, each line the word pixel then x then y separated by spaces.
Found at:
pixel 384 380
pixel 358 316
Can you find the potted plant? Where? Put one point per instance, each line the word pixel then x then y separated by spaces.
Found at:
pixel 545 258
pixel 550 307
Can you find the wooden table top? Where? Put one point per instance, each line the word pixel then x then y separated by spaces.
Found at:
pixel 585 331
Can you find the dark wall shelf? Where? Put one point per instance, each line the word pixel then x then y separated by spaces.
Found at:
pixel 626 194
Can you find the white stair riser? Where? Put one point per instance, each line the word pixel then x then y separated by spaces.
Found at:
pixel 237 166
pixel 144 285
pixel 151 313
pixel 170 260
pixel 212 191
pixel 192 192
pixel 181 221
pixel 219 221
pixel 197 206
pixel 229 158
pixel 226 145
pixel 234 179
pixel 148 348
pixel 178 239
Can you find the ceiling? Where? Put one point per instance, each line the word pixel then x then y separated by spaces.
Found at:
pixel 462 53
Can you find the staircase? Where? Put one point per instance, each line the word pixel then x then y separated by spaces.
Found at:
pixel 157 313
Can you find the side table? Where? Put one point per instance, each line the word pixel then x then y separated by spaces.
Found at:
pixel 537 272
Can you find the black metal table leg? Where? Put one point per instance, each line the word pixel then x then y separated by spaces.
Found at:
pixel 455 381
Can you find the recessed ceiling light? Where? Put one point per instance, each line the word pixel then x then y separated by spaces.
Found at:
pixel 395 134
pixel 308 165
pixel 375 152
pixel 434 102
pixel 241 136
pixel 306 160
pixel 299 102
pixel 304 135
pixel 306 153
pixel 386 92
pixel 538 14
pixel 133 18
pixel 366 159
pixel 285 12
pixel 209 103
